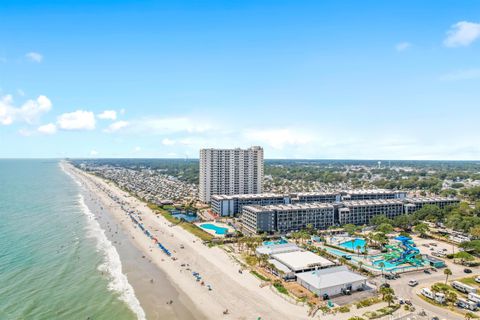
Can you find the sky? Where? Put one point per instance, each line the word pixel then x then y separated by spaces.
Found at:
pixel 313 79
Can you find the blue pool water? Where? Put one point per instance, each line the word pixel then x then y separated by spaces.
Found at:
pixel 338 252
pixel 271 243
pixel 352 245
pixel 217 229
pixel 387 264
pixel 186 217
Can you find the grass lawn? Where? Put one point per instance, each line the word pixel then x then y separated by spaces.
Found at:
pixel 280 288
pixel 470 281
pixel 190 227
pixel 259 276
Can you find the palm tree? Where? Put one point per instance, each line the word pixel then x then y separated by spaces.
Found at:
pixel 382 265
pixel 388 298
pixel 447 272
pixel 358 250
pixel 386 291
pixel 360 265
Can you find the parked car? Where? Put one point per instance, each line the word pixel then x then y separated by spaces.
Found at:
pixel 477 279
pixel 390 276
pixel 412 283
pixel 427 271
pixel 467 270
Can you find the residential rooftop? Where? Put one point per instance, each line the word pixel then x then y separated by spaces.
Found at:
pixel 247 196
pixel 286 207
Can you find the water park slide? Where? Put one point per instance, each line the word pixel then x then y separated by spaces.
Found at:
pixel 409 252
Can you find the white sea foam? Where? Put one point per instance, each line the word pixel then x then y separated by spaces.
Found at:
pixel 62 166
pixel 112 264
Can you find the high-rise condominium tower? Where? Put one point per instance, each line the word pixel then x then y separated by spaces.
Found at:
pixel 230 171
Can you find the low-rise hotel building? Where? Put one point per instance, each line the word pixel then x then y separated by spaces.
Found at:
pixel 361 211
pixel 305 197
pixel 372 194
pixel 228 206
pixel 231 205
pixel 415 204
pixel 287 217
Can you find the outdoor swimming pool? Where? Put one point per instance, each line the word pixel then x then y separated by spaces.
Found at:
pixel 352 245
pixel 271 243
pixel 338 252
pixel 217 229
pixel 186 217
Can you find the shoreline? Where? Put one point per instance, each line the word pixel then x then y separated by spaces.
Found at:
pixel 240 294
pixel 138 270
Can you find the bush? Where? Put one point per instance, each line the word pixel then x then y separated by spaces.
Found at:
pixel 278 285
pixel 367 302
pixel 259 276
pixel 343 309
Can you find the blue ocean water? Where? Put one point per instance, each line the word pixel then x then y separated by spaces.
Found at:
pixel 55 261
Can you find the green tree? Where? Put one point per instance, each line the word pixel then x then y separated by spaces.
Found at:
pixel 464 256
pixel 358 247
pixel 451 296
pixel 422 229
pixel 388 298
pixel 447 272
pixel 385 228
pixel 471 246
pixel 378 220
pixel 381 265
pixel 403 221
pixel 475 232
pixel 350 228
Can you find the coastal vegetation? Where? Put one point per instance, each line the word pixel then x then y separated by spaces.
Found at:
pixel 190 227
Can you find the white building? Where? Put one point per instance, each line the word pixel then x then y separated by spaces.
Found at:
pixel 230 172
pixel 277 248
pixel 300 261
pixel 332 281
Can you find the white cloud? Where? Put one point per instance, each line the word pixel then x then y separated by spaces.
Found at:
pixel 168 142
pixel 108 115
pixel 29 112
pixel 462 33
pixel 137 149
pixel 468 74
pixel 77 120
pixel 93 153
pixel 116 126
pixel 122 111
pixel 34 57
pixel 172 125
pixel 277 138
pixel 402 46
pixel 47 129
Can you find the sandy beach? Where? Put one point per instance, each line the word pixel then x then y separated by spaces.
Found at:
pixel 240 294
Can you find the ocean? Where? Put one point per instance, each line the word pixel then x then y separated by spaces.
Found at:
pixel 55 260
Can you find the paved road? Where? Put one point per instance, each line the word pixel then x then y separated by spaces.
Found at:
pixel 402 289
pixel 425 280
